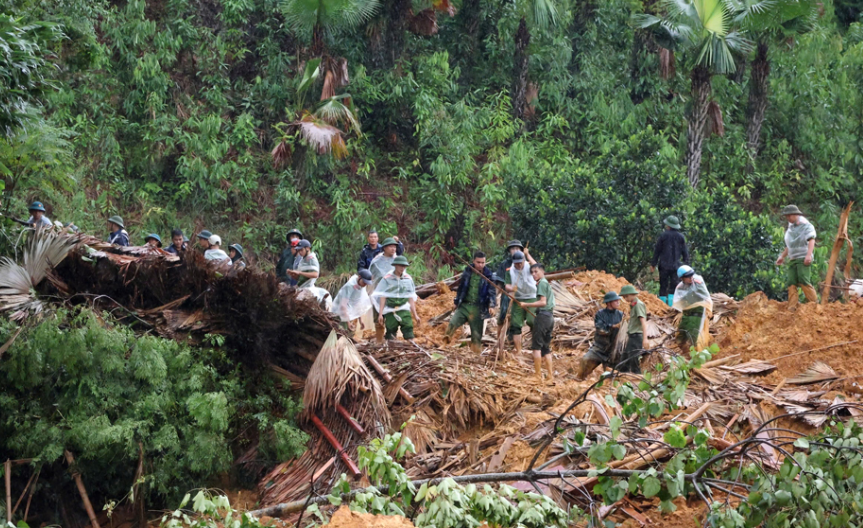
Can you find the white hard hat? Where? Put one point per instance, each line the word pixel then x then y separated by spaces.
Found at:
pixel 215 240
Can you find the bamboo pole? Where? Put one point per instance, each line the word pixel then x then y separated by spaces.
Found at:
pixel 331 438
pixel 81 489
pixel 841 238
pixel 388 378
pixel 7 476
pixel 352 422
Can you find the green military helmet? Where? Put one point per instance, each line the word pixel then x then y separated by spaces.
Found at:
pixel 629 289
pixel 610 297
pixel 390 241
pixel 672 221
pixel 401 260
pixel 116 219
pixel 238 248
pixel 294 231
pixel 791 210
pixel 514 243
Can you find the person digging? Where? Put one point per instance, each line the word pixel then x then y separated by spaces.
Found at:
pixel 799 246
pixel 543 324
pixel 636 329
pixel 521 284
pixel 692 300
pixel 607 323
pixel 395 296
pixel 474 302
pixel 500 280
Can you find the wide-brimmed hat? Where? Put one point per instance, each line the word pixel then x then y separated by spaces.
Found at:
pixel 672 221
pixel 293 231
pixel 514 243
pixel 155 237
pixel 629 289
pixel 389 241
pixel 791 210
pixel 238 248
pixel 36 206
pixel 610 297
pixel 517 257
pixel 116 219
pixel 205 234
pixel 366 275
pixel 401 260
pixel 215 240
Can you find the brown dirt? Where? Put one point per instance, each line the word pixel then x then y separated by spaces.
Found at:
pixel 345 518
pixel 765 329
pixel 594 284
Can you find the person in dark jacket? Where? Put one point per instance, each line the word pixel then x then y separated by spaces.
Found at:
pixel 178 242
pixel 474 302
pixel 670 252
pixel 607 322
pixel 373 249
pixel 500 279
pixel 118 235
pixel 288 257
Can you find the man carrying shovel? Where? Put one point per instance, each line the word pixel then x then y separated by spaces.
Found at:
pixel 474 302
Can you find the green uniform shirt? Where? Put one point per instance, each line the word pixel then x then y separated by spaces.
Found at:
pixel 543 289
pixel 472 296
pixel 635 314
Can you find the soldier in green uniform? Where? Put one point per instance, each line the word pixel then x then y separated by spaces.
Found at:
pixel 543 324
pixel 395 296
pixel 637 330
pixel 607 322
pixel 474 301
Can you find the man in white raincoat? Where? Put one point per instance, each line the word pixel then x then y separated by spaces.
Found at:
pixel 692 299
pixel 381 265
pixel 353 301
pixel 799 246
pixel 306 268
pixel 522 285
pixel 395 298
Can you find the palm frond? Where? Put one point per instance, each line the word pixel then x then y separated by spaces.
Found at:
pixel 424 23
pixel 311 73
pixel 324 138
pixel 338 113
pixel 543 13
pixel 46 249
pixel 444 6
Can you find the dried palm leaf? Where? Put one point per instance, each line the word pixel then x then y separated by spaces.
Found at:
pixel 816 373
pixel 424 23
pixel 444 6
pixel 667 65
pixel 324 138
pixel 715 124
pixel 339 111
pixel 754 366
pixel 621 341
pixel 281 154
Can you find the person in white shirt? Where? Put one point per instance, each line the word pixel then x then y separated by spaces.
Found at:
pixel 215 252
pixel 37 216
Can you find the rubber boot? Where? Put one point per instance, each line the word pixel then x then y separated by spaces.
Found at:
pixel 550 367
pixel 792 298
pixel 669 300
pixel 537 367
pixel 664 299
pixel 585 367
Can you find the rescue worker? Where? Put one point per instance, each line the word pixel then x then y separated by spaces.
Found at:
pixel 287 259
pixel 395 297
pixel 607 322
pixel 118 235
pixel 543 324
pixel 37 216
pixel 235 251
pixel 474 302
pixel 178 242
pixel 799 247
pixel 669 253
pixel 520 283
pixel 637 330
pixel 307 269
pixel 382 265
pixel 373 249
pixel 203 240
pixel 692 299
pixel 353 300
pixel 500 279
pixel 215 252
pixel 153 240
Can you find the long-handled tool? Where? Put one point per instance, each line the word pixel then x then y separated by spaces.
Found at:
pixel 495 286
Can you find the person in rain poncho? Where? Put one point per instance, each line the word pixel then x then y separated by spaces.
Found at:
pixel 306 268
pixel 373 249
pixel 353 301
pixel 607 322
pixel 499 278
pixel 799 246
pixel 395 298
pixel 381 265
pixel 216 253
pixel 522 285
pixel 692 299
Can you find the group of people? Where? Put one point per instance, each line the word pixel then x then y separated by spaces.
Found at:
pixel 383 288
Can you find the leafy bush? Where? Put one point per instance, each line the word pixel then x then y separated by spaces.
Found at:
pixel 76 382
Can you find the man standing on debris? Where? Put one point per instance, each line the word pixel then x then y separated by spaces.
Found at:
pixel 500 279
pixel 799 246
pixel 353 301
pixel 637 342
pixel 522 285
pixel 381 265
pixel 203 240
pixel 607 322
pixel 395 296
pixel 215 252
pixel 37 216
pixel 307 268
pixel 178 242
pixel 543 324
pixel 692 299
pixel 669 253
pixel 287 259
pixel 373 249
pixel 474 302
pixel 118 235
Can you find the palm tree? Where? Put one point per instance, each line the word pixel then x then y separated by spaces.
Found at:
pixel 703 32
pixel 769 21
pixel 315 18
pixel 540 14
